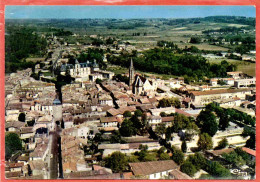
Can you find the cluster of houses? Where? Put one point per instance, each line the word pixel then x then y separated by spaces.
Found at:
pixel 35 100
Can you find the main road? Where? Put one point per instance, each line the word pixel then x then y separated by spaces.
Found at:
pixel 54 153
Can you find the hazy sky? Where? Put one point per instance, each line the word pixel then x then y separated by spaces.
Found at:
pixel 126 11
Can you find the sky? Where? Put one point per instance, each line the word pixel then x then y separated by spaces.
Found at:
pixel 124 12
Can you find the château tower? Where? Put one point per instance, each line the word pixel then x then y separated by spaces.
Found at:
pixel 131 75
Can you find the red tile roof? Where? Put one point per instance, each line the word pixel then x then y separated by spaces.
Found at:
pixel 176 174
pixel 249 151
pixel 220 152
pixel 179 111
pixel 15 165
pixel 147 168
pixel 221 91
pixel 167 119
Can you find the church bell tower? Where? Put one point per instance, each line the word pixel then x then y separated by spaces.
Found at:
pixel 131 75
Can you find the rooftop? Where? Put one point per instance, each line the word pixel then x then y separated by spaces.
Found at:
pixel 221 91
pixel 147 168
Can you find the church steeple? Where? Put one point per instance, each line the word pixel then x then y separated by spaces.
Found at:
pixel 131 74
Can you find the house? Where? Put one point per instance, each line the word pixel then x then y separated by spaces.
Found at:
pixel 80 131
pixel 214 82
pixel 94 76
pixel 154 120
pixel 229 81
pixel 41 132
pixel 68 120
pixel 230 102
pixel 168 120
pixel 13 175
pixel 41 150
pixel 105 99
pixel 153 169
pixel 38 167
pixel 15 167
pixel 23 158
pixel 109 121
pixel 235 74
pixel 14 126
pixel 245 82
pixel 121 110
pixel 167 110
pixel 26 132
pixel 204 88
pixel 43 122
pixel 126 148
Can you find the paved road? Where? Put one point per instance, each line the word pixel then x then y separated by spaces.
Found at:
pixel 53 160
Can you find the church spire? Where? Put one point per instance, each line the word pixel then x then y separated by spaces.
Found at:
pixel 131 64
pixel 131 74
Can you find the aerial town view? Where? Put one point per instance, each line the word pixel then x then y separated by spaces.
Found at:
pixel 130 92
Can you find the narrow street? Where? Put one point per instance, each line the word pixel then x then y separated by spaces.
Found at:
pixel 54 153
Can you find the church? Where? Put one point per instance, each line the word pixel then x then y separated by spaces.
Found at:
pixel 139 84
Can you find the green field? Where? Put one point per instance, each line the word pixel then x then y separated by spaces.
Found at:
pixel 244 66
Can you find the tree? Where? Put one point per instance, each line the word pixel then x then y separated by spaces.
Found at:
pixel 217 170
pixel 222 143
pixel 164 156
pixel 184 146
pixel 98 81
pixel 162 150
pixel 132 158
pixel 205 142
pixel 127 114
pixel 223 121
pixel 98 137
pixel 178 156
pixel 250 143
pixel 163 114
pixel 198 160
pixel 188 168
pixel 221 82
pixel 149 157
pixel 195 40
pixel 136 122
pixel 167 102
pixel 160 129
pixel 116 137
pixel 138 113
pixel 180 122
pixel 21 117
pixel 127 128
pixel 234 158
pixel 31 123
pixel 207 121
pixel 13 143
pixel 168 133
pixel 191 130
pixel 117 162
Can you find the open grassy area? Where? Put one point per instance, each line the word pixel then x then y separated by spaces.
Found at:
pixel 244 66
pixel 248 68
